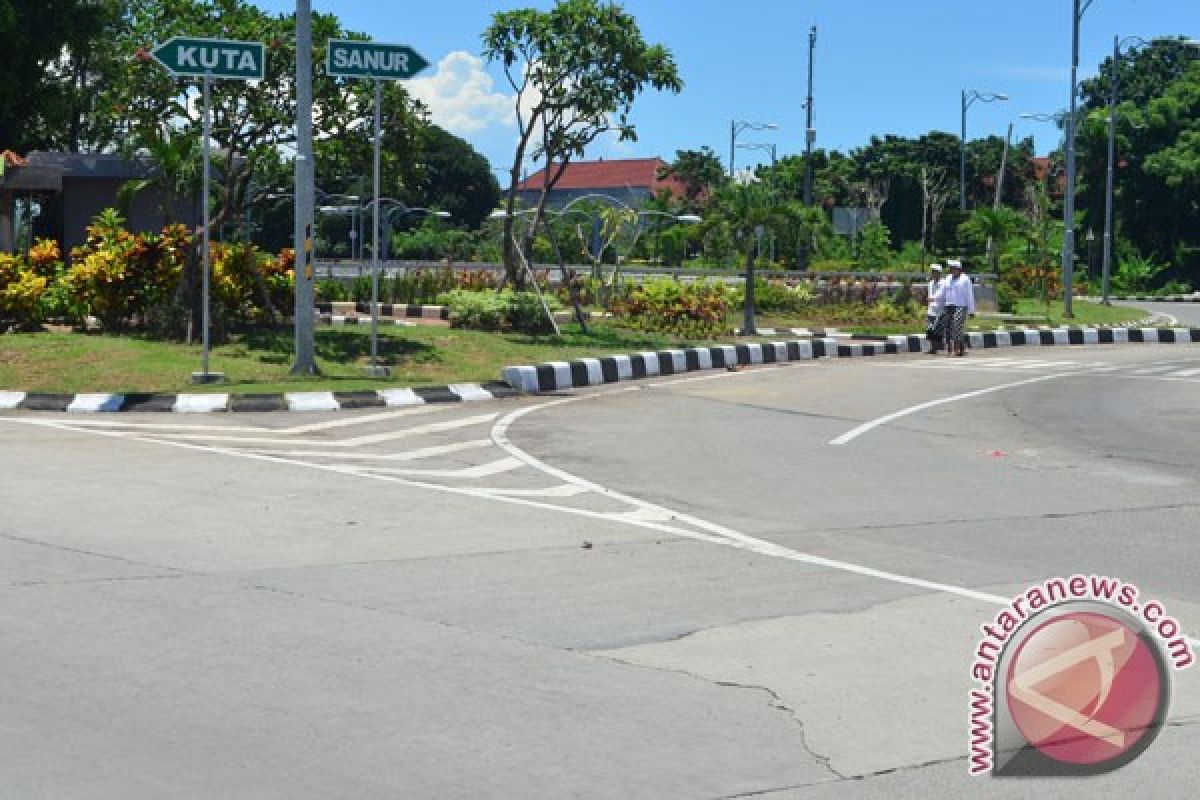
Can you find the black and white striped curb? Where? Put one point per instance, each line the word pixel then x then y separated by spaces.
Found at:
pixel 346 309
pixel 283 401
pixel 1061 336
pixel 558 375
pixel 818 333
pixel 1152 298
pixel 334 319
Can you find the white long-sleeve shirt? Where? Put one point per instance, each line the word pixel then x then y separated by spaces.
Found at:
pixel 936 303
pixel 959 292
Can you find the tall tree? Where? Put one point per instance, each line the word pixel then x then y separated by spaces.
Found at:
pixel 575 71
pixel 46 43
pixel 700 171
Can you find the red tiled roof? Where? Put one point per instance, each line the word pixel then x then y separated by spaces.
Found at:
pixel 13 160
pixel 625 173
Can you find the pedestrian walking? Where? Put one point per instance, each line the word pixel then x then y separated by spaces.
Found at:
pixel 935 310
pixel 958 294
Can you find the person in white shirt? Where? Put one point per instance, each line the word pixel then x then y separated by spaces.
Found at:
pixel 935 311
pixel 958 295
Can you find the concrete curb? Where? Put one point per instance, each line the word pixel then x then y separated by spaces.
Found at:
pixel 346 309
pixel 283 401
pixel 1151 298
pixel 558 375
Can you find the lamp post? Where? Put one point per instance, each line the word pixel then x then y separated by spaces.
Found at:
pixel 1078 9
pixel 969 96
pixel 735 128
pixel 810 133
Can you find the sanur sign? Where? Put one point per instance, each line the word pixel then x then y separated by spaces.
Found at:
pixel 216 58
pixel 356 59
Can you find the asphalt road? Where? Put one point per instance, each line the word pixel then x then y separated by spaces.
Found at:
pixel 1187 314
pixel 757 584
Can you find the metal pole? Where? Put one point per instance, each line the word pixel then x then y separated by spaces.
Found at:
pixel 809 133
pixel 1108 180
pixel 732 139
pixel 1068 254
pixel 376 370
pixel 305 189
pixel 962 158
pixel 204 216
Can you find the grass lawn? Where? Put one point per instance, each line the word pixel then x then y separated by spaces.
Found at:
pixel 1086 312
pixel 259 361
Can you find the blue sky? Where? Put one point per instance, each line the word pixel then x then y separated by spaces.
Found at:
pixel 881 66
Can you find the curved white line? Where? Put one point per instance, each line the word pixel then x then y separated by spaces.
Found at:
pixel 850 436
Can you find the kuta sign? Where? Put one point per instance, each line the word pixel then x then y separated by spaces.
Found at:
pixel 354 59
pixel 216 58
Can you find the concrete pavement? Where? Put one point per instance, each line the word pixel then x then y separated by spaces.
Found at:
pixel 550 598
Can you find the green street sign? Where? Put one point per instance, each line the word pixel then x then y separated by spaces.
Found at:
pixel 350 59
pixel 217 58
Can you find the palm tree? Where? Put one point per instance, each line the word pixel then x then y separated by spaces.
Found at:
pixel 750 211
pixel 994 225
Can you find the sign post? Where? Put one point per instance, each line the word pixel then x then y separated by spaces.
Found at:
pixel 379 62
pixel 207 59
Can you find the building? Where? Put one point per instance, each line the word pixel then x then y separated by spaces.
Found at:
pixel 631 181
pixel 56 196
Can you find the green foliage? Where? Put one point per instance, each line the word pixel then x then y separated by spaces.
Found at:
pixel 771 296
pixel 329 290
pixel 490 310
pixel 580 65
pixel 1135 274
pixel 116 275
pixel 874 252
pixel 21 293
pixel 1006 298
pixel 700 172
pixel 697 310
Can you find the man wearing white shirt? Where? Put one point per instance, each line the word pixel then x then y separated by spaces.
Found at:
pixel 935 311
pixel 958 295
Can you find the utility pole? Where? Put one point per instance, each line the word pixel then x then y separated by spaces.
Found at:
pixel 1068 254
pixel 810 133
pixel 305 189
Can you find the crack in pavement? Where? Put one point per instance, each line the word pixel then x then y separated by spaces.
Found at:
pixel 85 581
pixel 12 537
pixel 776 702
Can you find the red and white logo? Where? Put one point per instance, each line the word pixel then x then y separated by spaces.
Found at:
pixel 1084 688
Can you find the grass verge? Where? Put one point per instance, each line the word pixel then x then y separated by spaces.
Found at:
pixel 259 361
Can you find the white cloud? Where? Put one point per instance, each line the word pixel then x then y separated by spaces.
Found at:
pixel 462 96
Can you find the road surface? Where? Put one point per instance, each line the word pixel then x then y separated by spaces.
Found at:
pixel 767 583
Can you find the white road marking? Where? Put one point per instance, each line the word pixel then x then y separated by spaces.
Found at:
pixel 717 534
pixel 309 428
pixel 562 490
pixel 1185 373
pixel 374 438
pixel 478 471
pixel 866 427
pixel 407 455
pixel 1152 370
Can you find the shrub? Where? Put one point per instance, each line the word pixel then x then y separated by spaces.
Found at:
pixel 490 310
pixel 1135 274
pixel 526 314
pixel 21 291
pixel 781 295
pixel 116 275
pixel 329 290
pixel 697 310
pixel 1006 298
pixel 485 311
pixel 250 286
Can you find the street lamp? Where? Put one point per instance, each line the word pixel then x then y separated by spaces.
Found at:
pixel 1079 8
pixel 969 96
pixel 1118 44
pixel 736 127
